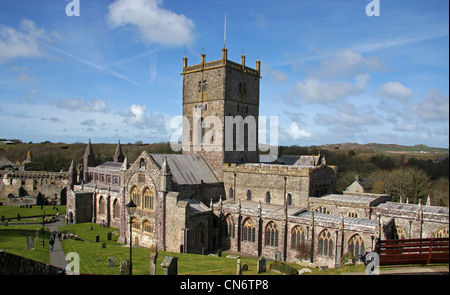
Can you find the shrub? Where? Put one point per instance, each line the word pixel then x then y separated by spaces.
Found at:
pixel 283 268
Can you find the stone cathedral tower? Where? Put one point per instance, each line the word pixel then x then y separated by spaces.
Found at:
pixel 222 90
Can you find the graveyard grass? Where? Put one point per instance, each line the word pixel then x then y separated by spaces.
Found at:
pixel 13 239
pixel 94 258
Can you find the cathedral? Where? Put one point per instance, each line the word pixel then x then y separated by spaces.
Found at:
pixel 211 198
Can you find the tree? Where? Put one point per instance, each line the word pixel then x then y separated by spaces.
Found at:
pixel 408 182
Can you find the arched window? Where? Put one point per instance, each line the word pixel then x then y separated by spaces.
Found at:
pixel 249 195
pixel 325 243
pixel 102 206
pixel 148 199
pixel 352 214
pixel 136 197
pixel 271 235
pixel 116 209
pixel 289 199
pixel 298 237
pixel 356 246
pixel 199 234
pixel 230 226
pixel 268 198
pixel 323 210
pixel 142 164
pixel 249 231
pixel 135 224
pixel 441 233
pixel 400 233
pixel 231 194
pixel 148 227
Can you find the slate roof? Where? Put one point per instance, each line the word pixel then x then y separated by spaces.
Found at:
pixel 414 207
pixel 186 169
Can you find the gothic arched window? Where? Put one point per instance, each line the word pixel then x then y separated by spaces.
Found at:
pixel 326 243
pixel 271 234
pixel 249 231
pixel 148 199
pixel 230 226
pixel 356 246
pixel 298 237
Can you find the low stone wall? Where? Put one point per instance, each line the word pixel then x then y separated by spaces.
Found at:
pixel 11 264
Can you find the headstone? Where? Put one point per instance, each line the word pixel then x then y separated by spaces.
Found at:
pixel 37 236
pixel 3 218
pixel 204 252
pixel 219 253
pixel 19 217
pixel 303 271
pixel 103 245
pixel 170 265
pixel 109 236
pixel 153 257
pixel 125 267
pixel 111 261
pixel 91 227
pixel 30 243
pixel 97 238
pixel 262 265
pixel 238 267
pixel 245 267
pixel 278 256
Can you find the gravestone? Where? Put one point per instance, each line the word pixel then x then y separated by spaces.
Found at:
pixel 3 218
pixel 111 261
pixel 103 245
pixel 125 267
pixel 170 266
pixel 219 253
pixel 30 243
pixel 245 267
pixel 238 267
pixel 262 265
pixel 37 236
pixel 109 236
pixel 278 256
pixel 97 238
pixel 153 257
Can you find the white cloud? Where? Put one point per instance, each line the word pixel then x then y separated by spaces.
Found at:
pixel 345 63
pixel 395 90
pixel 155 24
pixel 435 107
pixel 314 90
pixel 349 118
pixel 295 132
pixel 15 44
pixel 139 117
pixel 82 104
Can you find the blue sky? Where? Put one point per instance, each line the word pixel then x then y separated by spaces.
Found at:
pixel 330 73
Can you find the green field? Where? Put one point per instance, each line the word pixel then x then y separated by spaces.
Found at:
pixel 10 212
pixel 13 240
pixel 94 259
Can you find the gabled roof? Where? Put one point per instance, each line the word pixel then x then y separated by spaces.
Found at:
pixel 186 169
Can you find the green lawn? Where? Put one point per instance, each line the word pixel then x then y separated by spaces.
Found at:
pixel 94 259
pixel 36 211
pixel 13 240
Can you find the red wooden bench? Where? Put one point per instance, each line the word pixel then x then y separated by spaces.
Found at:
pixel 413 251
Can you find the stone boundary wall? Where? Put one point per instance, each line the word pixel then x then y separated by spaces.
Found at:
pixel 11 264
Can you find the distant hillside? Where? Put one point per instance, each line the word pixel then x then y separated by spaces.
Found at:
pixel 389 148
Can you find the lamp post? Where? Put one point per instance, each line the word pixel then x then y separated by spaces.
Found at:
pixel 131 208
